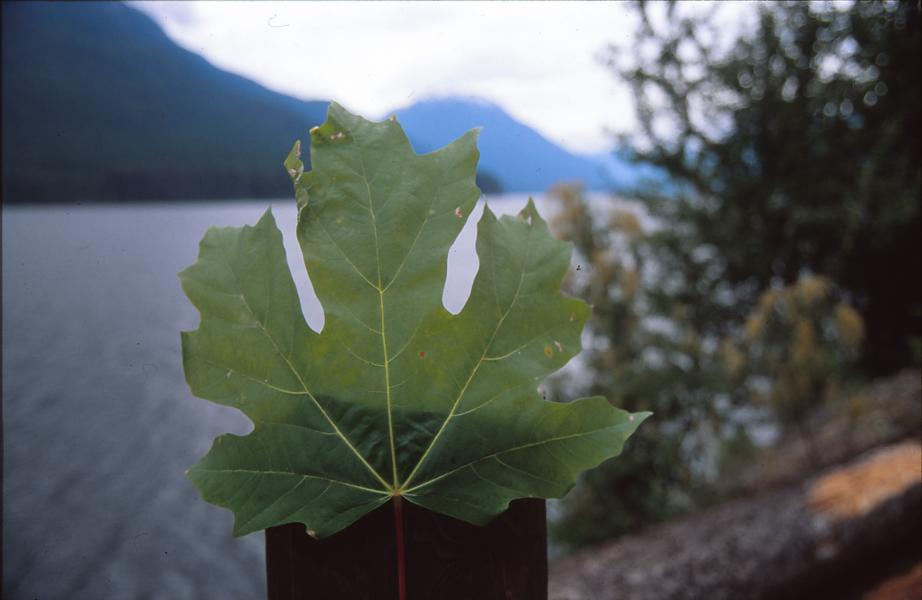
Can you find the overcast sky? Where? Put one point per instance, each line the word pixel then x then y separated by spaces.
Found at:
pixel 540 61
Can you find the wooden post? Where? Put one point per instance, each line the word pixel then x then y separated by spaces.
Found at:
pixel 447 559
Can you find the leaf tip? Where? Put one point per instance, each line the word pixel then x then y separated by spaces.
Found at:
pixel 268 218
pixel 530 213
pixel 488 216
pixel 639 417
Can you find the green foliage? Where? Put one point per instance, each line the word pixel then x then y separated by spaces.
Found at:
pixel 644 354
pixel 796 348
pixel 795 150
pixel 792 151
pixel 396 396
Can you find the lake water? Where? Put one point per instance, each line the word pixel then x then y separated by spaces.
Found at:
pixel 99 425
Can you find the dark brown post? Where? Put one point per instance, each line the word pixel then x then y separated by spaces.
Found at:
pixel 447 559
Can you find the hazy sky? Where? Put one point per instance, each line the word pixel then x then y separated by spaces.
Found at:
pixel 540 61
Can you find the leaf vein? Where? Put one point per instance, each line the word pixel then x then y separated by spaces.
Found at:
pixel 342 252
pixel 507 451
pixel 301 380
pixel 255 472
pixel 457 401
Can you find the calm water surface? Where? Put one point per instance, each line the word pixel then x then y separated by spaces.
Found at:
pixel 98 422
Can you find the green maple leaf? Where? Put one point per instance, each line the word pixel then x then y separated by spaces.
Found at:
pixel 396 396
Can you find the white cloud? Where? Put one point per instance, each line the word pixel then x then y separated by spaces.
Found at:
pixel 539 61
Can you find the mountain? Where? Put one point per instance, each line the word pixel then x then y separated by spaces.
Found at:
pixel 99 104
pixel 514 156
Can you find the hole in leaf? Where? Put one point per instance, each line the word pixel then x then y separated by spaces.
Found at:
pixel 462 264
pixel 286 216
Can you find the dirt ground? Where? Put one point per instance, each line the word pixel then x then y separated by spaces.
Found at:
pixel 844 526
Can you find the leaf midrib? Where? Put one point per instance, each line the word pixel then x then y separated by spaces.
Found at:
pixel 380 290
pixel 399 488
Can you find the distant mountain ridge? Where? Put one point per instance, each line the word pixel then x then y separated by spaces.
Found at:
pixel 99 104
pixel 518 157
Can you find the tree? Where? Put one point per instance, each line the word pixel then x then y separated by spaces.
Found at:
pixel 642 353
pixel 786 157
pixel 794 151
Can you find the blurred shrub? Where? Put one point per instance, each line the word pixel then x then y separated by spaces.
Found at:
pixel 796 348
pixel 641 352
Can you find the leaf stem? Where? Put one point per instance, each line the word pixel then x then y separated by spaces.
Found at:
pixel 401 548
